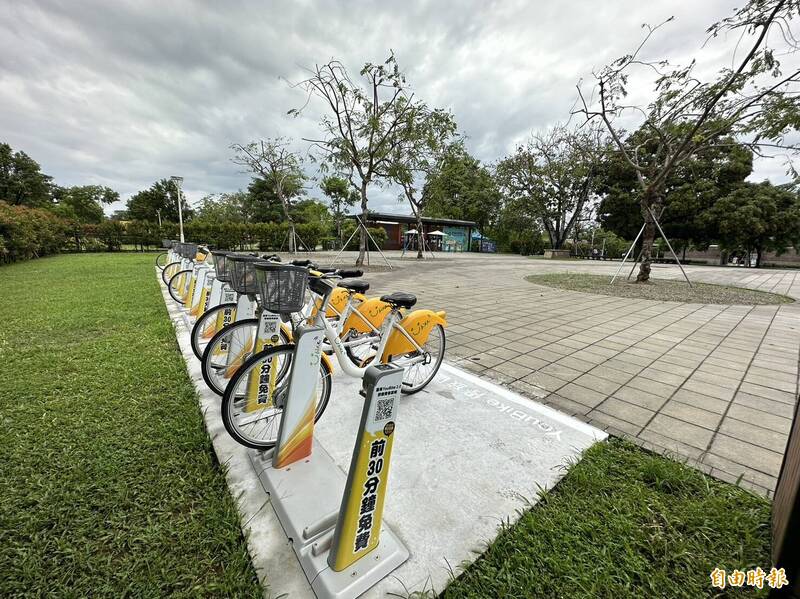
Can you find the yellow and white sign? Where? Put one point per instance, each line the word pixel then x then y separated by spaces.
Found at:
pixel 262 379
pixel 359 525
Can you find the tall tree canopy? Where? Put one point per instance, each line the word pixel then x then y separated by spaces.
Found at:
pixel 692 188
pixel 462 188
pixel 551 177
pixel 280 168
pixel 752 100
pixel 758 217
pixel 363 123
pixel 424 142
pixel 22 183
pixel 159 201
pixel 84 203
pixel 223 208
pixel 341 196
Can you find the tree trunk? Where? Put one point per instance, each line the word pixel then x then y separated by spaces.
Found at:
pixel 288 216
pixel 420 236
pixel 758 257
pixel 292 238
pixel 549 230
pixel 362 239
pixel 650 204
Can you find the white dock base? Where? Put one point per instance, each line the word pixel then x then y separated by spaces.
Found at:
pixel 307 492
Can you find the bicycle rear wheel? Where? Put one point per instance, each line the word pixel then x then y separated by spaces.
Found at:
pixel 169 270
pixel 421 367
pixel 253 403
pixel 209 324
pixel 174 285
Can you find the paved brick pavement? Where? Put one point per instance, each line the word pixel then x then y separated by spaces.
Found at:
pixel 711 384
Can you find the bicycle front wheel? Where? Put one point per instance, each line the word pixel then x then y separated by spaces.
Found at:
pixel 253 403
pixel 161 260
pixel 228 350
pixel 209 324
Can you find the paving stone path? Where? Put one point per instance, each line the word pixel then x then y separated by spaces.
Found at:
pixel 714 385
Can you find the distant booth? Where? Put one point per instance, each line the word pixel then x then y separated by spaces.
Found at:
pixel 438 234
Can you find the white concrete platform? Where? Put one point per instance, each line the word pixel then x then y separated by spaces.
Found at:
pixel 468 456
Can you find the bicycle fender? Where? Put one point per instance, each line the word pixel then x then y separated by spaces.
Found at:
pixel 418 324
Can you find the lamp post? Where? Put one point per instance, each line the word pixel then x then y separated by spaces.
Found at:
pixel 178 180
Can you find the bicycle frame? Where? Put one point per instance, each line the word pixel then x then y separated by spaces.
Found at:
pixel 391 323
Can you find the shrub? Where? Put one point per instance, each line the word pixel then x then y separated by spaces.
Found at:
pixel 270 236
pixel 110 232
pixel 311 234
pixel 30 232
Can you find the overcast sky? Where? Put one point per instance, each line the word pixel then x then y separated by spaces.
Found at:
pixel 124 93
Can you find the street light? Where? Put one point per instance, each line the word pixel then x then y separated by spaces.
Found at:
pixel 178 180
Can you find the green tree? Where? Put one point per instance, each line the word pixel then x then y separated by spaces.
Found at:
pixel 158 203
pixel 752 99
pixel 363 123
pixel 262 204
pixel 223 208
pixel 692 188
pixel 758 217
pixel 552 177
pixel 281 168
pixel 84 203
pixel 462 188
pixel 22 182
pixel 421 148
pixel 341 196
pixel 517 231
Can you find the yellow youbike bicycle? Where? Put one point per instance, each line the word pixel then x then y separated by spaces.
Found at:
pixel 253 402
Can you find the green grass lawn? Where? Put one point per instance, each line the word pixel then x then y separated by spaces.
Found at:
pixel 625 523
pixel 658 289
pixel 109 484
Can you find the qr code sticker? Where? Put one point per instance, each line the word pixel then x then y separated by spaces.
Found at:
pixel 383 410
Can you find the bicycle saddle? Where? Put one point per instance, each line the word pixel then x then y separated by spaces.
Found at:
pixel 350 274
pixel 400 299
pixel 302 263
pixel 355 285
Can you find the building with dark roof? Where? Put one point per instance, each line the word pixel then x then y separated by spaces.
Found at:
pixel 441 234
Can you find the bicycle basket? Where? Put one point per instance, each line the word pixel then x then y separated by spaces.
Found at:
pixel 282 288
pixel 222 265
pixel 189 251
pixel 166 243
pixel 243 277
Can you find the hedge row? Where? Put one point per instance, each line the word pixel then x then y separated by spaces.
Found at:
pixel 30 232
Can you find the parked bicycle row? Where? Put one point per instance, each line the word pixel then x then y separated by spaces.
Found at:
pixel 247 310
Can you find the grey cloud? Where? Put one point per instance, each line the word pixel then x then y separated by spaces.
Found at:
pixel 124 93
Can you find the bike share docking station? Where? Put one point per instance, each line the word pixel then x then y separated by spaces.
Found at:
pixel 334 521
